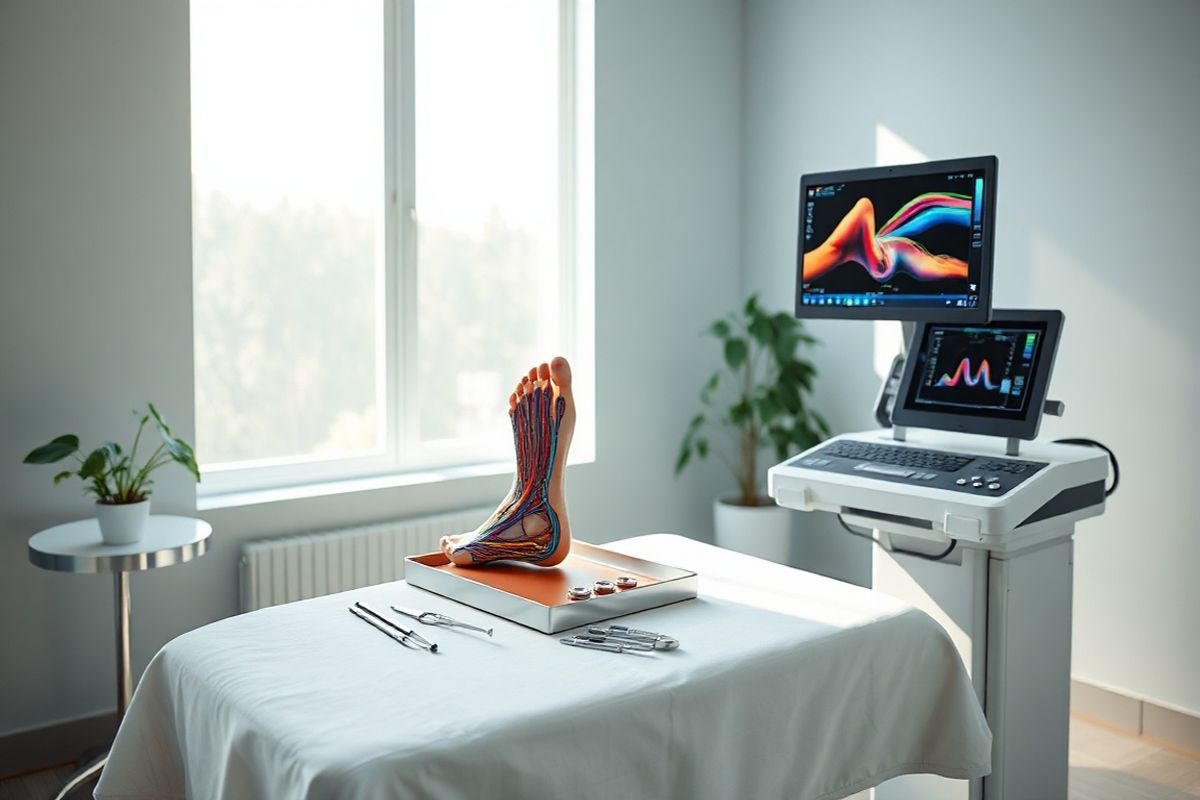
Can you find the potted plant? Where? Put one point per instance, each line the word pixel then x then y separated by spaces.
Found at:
pixel 120 486
pixel 761 396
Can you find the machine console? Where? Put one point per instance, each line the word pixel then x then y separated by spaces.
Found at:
pixel 955 471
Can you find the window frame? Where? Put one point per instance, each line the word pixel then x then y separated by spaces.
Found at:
pixel 401 453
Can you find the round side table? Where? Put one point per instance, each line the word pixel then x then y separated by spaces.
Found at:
pixel 77 547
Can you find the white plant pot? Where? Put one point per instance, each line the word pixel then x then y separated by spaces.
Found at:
pixel 124 523
pixel 761 531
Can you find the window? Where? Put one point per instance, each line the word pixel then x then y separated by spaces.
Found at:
pixel 391 207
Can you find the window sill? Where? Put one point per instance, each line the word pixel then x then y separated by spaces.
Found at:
pixel 255 497
pixel 306 491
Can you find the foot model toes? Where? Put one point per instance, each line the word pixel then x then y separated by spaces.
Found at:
pixel 560 372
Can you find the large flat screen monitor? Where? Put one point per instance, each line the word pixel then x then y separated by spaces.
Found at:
pixel 908 242
pixel 990 379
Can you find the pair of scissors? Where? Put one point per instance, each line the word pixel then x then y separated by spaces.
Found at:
pixel 432 618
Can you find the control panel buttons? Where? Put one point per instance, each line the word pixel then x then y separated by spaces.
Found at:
pixel 994 486
pixel 977 484
pixel 961 481
pixel 928 476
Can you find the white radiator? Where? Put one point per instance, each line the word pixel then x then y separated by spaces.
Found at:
pixel 289 568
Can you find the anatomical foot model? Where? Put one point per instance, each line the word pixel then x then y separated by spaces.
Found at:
pixel 531 524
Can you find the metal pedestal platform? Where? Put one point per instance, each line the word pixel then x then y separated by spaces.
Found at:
pixel 1009 615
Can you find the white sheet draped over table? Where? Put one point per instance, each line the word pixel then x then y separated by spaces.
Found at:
pixel 788 685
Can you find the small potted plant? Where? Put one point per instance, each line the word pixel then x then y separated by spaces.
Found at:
pixel 120 486
pixel 761 395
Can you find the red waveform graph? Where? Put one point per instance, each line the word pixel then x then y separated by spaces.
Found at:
pixel 963 374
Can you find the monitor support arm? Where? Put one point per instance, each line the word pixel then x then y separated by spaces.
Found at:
pixel 891 382
pixel 1054 408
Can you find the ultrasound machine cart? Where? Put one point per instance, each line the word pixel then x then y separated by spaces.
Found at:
pixel 974 520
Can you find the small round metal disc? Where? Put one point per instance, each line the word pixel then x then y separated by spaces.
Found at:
pixel 626 582
pixel 604 587
pixel 579 593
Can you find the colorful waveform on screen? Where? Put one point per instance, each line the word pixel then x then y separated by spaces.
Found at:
pixel 892 248
pixel 963 374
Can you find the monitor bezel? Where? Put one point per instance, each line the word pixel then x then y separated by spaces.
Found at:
pixel 989 165
pixel 1023 428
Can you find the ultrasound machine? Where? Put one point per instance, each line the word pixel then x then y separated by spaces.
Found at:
pixel 972 516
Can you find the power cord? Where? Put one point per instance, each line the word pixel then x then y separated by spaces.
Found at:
pixel 1112 457
pixel 913 553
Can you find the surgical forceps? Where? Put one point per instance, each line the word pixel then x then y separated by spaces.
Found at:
pixel 433 618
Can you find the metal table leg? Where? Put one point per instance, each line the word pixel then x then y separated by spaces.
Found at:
pixel 124 673
pixel 124 683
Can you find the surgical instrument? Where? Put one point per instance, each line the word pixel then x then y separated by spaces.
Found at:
pixel 624 629
pixel 417 638
pixel 598 635
pixel 433 618
pixel 656 641
pixel 404 640
pixel 575 641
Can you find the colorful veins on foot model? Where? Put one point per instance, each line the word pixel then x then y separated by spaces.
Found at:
pixel 893 247
pixel 530 524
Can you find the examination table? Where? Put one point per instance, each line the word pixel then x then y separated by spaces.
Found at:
pixel 786 685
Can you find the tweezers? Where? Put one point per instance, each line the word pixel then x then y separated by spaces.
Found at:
pixel 416 638
pixel 433 618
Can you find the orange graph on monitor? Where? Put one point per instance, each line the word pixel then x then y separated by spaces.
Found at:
pixel 889 250
pixel 963 374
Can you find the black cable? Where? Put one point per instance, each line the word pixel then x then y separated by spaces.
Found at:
pixel 1112 457
pixel 913 553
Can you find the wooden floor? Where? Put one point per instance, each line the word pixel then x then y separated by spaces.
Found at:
pixel 1106 764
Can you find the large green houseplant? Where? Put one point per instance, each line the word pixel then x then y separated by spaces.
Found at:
pixel 119 482
pixel 759 398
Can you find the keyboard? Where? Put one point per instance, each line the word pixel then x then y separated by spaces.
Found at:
pixel 935 469
pixel 896 455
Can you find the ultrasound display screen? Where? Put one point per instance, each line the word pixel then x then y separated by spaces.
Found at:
pixel 980 371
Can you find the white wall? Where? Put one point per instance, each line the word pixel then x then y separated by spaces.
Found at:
pixel 95 307
pixel 1093 110
pixel 95 316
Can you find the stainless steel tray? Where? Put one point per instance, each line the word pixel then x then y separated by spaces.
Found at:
pixel 537 596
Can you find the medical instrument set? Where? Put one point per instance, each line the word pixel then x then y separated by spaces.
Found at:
pixel 621 638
